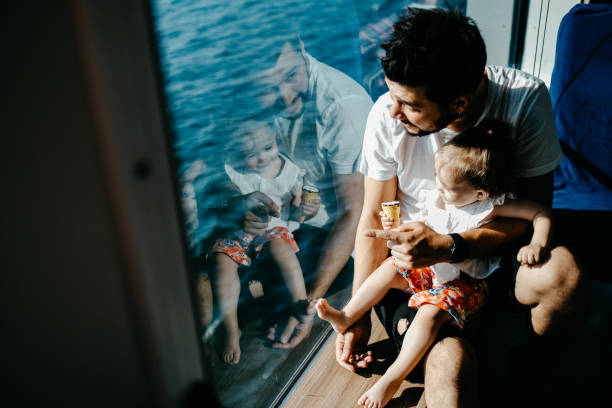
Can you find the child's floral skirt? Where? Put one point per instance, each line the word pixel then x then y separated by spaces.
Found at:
pixel 461 297
pixel 244 246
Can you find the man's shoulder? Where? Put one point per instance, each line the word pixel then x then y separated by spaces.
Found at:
pixel 331 84
pixel 513 78
pixel 513 92
pixel 380 121
pixel 381 106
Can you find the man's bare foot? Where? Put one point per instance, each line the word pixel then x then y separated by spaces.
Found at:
pixel 231 353
pixel 335 317
pixel 379 395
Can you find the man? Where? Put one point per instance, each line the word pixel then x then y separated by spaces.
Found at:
pixel 438 87
pixel 320 118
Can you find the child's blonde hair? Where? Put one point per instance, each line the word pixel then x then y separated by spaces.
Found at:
pixel 481 156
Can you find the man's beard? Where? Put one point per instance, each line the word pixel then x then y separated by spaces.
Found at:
pixel 440 124
pixel 281 109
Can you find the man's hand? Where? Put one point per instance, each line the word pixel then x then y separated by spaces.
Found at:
pixel 297 327
pixel 293 333
pixel 415 245
pixel 255 210
pixel 350 345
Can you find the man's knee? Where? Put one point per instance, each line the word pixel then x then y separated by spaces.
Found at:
pixel 557 278
pixel 450 374
pixel 449 355
pixel 556 292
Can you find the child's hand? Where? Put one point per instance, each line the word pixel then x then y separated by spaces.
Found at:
pixel 531 254
pixel 387 222
pixel 310 208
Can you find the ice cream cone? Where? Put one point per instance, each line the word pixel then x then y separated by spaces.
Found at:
pixel 309 193
pixel 392 210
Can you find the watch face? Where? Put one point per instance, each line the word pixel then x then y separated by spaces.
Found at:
pixel 453 248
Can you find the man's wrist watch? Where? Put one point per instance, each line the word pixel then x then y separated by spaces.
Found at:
pixel 458 252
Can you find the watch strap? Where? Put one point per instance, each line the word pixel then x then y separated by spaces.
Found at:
pixel 458 251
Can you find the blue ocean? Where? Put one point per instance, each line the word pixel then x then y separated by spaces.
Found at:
pixel 203 48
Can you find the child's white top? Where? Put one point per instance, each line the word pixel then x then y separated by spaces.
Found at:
pixel 458 220
pixel 280 189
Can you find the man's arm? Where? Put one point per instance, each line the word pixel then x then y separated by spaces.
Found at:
pixel 415 245
pixel 369 253
pixel 336 251
pixel 339 244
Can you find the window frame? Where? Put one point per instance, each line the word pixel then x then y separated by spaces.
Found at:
pixel 116 47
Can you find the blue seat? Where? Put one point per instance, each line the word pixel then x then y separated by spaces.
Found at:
pixel 581 92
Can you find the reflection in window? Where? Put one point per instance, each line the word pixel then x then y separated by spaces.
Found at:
pixel 268 102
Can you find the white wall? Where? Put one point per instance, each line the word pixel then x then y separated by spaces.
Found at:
pixel 494 19
pixel 541 36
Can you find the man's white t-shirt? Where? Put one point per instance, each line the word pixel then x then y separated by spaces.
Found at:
pixel 515 97
pixel 326 139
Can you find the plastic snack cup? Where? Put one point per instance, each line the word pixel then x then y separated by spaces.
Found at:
pixel 309 193
pixel 392 210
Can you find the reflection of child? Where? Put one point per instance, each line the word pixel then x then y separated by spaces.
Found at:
pixel 258 166
pixel 470 193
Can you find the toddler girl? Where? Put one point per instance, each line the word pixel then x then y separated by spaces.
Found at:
pixel 470 178
pixel 257 165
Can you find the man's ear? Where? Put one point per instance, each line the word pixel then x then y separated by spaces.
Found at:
pixel 482 195
pixel 461 104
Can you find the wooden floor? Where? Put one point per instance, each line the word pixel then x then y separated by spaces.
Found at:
pixel 264 374
pixel 327 385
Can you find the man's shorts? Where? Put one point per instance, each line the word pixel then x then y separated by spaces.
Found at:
pixel 461 297
pixel 244 247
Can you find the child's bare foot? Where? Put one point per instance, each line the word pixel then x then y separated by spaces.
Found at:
pixel 335 317
pixel 379 395
pixel 231 353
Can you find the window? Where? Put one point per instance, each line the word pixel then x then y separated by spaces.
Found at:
pixel 272 97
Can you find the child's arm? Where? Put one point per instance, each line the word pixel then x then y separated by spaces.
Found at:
pixel 542 220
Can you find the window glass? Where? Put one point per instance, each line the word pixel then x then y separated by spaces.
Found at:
pixel 267 103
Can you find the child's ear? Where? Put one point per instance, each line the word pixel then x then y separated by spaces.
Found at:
pixel 482 195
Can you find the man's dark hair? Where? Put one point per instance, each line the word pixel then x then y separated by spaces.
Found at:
pixel 437 49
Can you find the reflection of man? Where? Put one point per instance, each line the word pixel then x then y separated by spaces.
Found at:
pixel 321 115
pixel 434 71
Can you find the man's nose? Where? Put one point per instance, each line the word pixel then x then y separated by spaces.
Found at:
pixel 396 111
pixel 287 93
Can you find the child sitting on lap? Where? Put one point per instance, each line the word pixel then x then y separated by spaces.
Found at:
pixel 257 165
pixel 469 175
